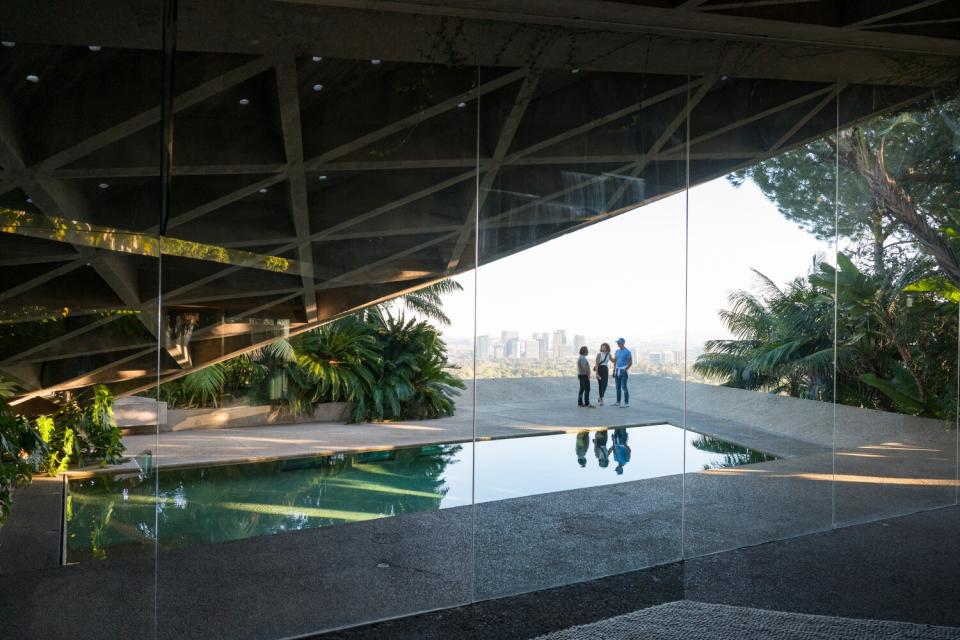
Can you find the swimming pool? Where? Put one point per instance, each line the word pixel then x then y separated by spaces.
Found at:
pixel 107 516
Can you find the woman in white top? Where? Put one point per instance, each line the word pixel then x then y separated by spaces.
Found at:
pixel 602 367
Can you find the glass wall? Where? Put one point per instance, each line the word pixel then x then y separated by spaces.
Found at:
pixel 334 383
pixel 562 187
pixel 759 318
pixel 79 265
pixel 896 436
pixel 320 167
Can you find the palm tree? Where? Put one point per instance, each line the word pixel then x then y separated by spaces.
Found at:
pixel 782 341
pixel 428 301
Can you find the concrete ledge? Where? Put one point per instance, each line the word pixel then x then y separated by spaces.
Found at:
pixel 249 416
pixel 137 411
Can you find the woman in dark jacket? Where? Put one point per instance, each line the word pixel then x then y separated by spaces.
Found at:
pixel 602 367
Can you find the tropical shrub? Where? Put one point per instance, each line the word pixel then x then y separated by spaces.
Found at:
pixel 19 444
pixel 896 337
pixel 415 372
pixel 80 432
pixel 342 361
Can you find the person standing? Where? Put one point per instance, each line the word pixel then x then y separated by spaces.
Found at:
pixel 602 367
pixel 583 373
pixel 622 361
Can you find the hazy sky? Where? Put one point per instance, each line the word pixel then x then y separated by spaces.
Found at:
pixel 624 276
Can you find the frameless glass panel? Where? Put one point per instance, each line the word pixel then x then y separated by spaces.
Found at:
pixel 581 243
pixel 896 449
pixel 760 312
pixel 316 452
pixel 79 265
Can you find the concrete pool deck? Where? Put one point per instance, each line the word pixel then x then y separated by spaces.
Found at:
pixel 503 408
pixel 304 581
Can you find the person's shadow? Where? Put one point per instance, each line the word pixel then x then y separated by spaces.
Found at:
pixel 620 450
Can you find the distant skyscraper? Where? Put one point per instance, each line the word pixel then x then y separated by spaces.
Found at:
pixel 655 358
pixel 565 351
pixel 579 341
pixel 531 349
pixel 544 340
pixel 511 348
pixel 482 348
pixel 506 335
pixel 498 351
pixel 559 339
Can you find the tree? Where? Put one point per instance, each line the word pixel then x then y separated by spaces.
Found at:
pixel 782 341
pixel 428 301
pixel 896 339
pixel 897 186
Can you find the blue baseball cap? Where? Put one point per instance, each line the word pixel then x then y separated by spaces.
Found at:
pixel 619 340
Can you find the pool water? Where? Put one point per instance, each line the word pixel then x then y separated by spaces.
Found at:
pixel 109 516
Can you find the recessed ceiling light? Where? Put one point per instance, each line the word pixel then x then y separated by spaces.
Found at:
pixel 723 78
pixel 264 190
pixel 461 105
pixel 575 70
pixel 29 200
pixel 94 47
pixel 8 44
pixel 33 78
pixel 103 185
pixel 318 87
pixel 244 102
pixel 321 178
pixel 317 58
pixel 375 61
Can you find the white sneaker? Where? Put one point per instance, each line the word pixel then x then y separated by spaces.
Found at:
pixel 626 406
pixel 616 404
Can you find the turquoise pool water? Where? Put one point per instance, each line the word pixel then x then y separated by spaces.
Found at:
pixel 111 515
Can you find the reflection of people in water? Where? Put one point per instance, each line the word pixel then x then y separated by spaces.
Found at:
pixel 583 443
pixel 620 450
pixel 600 448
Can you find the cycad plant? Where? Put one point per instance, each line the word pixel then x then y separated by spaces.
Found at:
pixel 341 359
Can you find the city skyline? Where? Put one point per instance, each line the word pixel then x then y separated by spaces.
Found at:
pixel 639 296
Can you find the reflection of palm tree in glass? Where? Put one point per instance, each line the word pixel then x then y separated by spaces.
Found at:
pixel 583 443
pixel 600 448
pixel 620 450
pixel 215 504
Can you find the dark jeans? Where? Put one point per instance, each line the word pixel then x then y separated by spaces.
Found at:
pixel 622 385
pixel 603 373
pixel 583 397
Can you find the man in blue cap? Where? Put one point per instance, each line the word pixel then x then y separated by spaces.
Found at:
pixel 622 361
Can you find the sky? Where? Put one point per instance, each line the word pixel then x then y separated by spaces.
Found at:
pixel 625 276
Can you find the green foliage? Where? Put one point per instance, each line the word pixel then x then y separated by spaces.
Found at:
pixel 80 432
pixel 386 367
pixel 896 339
pixel 20 443
pixel 782 341
pixel 341 360
pixel 916 152
pixel 428 301
pixel 417 357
